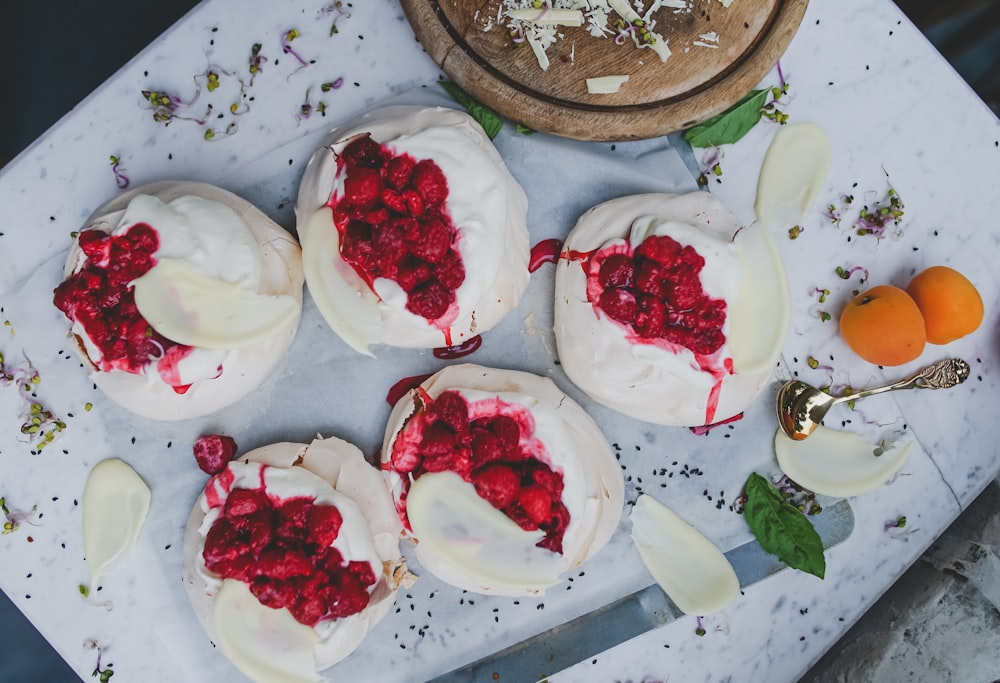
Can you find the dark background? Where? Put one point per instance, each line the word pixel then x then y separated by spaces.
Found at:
pixel 56 52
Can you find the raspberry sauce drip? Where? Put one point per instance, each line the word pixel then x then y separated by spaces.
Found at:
pixel 490 444
pixel 462 350
pixel 282 549
pixel 546 251
pixel 705 429
pixel 393 223
pixel 400 388
pixel 101 299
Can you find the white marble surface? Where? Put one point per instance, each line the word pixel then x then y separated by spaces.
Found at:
pixel 890 104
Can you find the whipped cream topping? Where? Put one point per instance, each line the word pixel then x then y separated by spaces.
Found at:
pixel 332 471
pixel 485 203
pixel 573 446
pixel 220 237
pixel 661 382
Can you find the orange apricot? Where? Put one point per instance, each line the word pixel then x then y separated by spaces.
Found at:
pixel 950 304
pixel 884 326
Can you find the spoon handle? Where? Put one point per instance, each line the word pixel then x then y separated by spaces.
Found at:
pixel 941 375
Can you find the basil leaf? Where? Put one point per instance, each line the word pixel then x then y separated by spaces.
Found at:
pixel 730 125
pixel 484 116
pixel 781 529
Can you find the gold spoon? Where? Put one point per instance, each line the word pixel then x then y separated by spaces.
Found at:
pixel 801 407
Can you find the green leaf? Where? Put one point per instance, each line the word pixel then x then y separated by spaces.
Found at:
pixel 729 126
pixel 523 129
pixel 486 117
pixel 781 529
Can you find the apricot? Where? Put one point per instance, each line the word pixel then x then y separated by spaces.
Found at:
pixel 884 326
pixel 950 304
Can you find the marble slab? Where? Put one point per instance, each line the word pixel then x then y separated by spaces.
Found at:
pixel 898 116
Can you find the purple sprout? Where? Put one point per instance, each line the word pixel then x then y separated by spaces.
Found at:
pixel 120 178
pixel 286 39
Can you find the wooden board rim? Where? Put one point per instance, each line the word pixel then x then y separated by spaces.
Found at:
pixel 585 121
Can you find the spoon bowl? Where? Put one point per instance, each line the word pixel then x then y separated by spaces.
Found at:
pixel 801 407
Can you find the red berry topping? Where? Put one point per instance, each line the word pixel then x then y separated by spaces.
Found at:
pixel 282 550
pixel 656 292
pixel 100 298
pixel 213 452
pixel 393 224
pixel 491 452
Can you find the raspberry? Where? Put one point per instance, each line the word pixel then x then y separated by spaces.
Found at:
pixel 685 293
pixel 690 257
pixel 363 151
pixel 619 304
pixel 707 341
pixel 650 316
pixel 451 409
pixel 394 201
pixel 434 241
pixel 549 480
pixel 95 245
pixel 213 452
pixel 414 202
pixel 362 570
pixel 405 461
pixel 486 447
pixel 309 609
pixel 439 439
pixel 363 187
pixel 281 563
pixel 430 300
pixel 536 502
pixel 650 277
pixel 389 249
pixel 412 273
pixel 497 484
pixel 556 529
pixel 398 171
pixel 616 271
pixel 329 560
pixel 222 542
pixel 258 528
pixel 292 518
pixel 351 596
pixel 356 243
pixel 429 182
pixel 324 524
pixel 142 238
pixel 243 502
pixel 660 248
pixel 273 593
pixel 450 271
pixel 507 430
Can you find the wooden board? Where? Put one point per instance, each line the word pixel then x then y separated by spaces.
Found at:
pixel 475 49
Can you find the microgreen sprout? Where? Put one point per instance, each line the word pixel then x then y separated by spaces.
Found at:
pixel 825 317
pixel 84 591
pixel 711 163
pixel 795 231
pixel 12 520
pixel 286 46
pixel 875 219
pixel 523 129
pixel 801 498
pixel 770 110
pixel 40 426
pixel 823 293
pixel 335 9
pixel 305 109
pixel 846 273
pixel 103 675
pixel 895 524
pixel 700 628
pixel 335 84
pixel 165 106
pixel 256 61
pixel 120 178
pixel 211 134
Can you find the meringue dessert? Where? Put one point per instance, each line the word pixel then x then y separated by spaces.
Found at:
pixel 413 231
pixel 668 309
pixel 502 480
pixel 291 555
pixel 181 297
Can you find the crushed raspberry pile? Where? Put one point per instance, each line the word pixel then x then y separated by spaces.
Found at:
pixel 657 292
pixel 100 298
pixel 281 550
pixel 487 452
pixel 393 224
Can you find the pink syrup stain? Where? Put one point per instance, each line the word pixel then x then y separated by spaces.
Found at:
pixel 705 429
